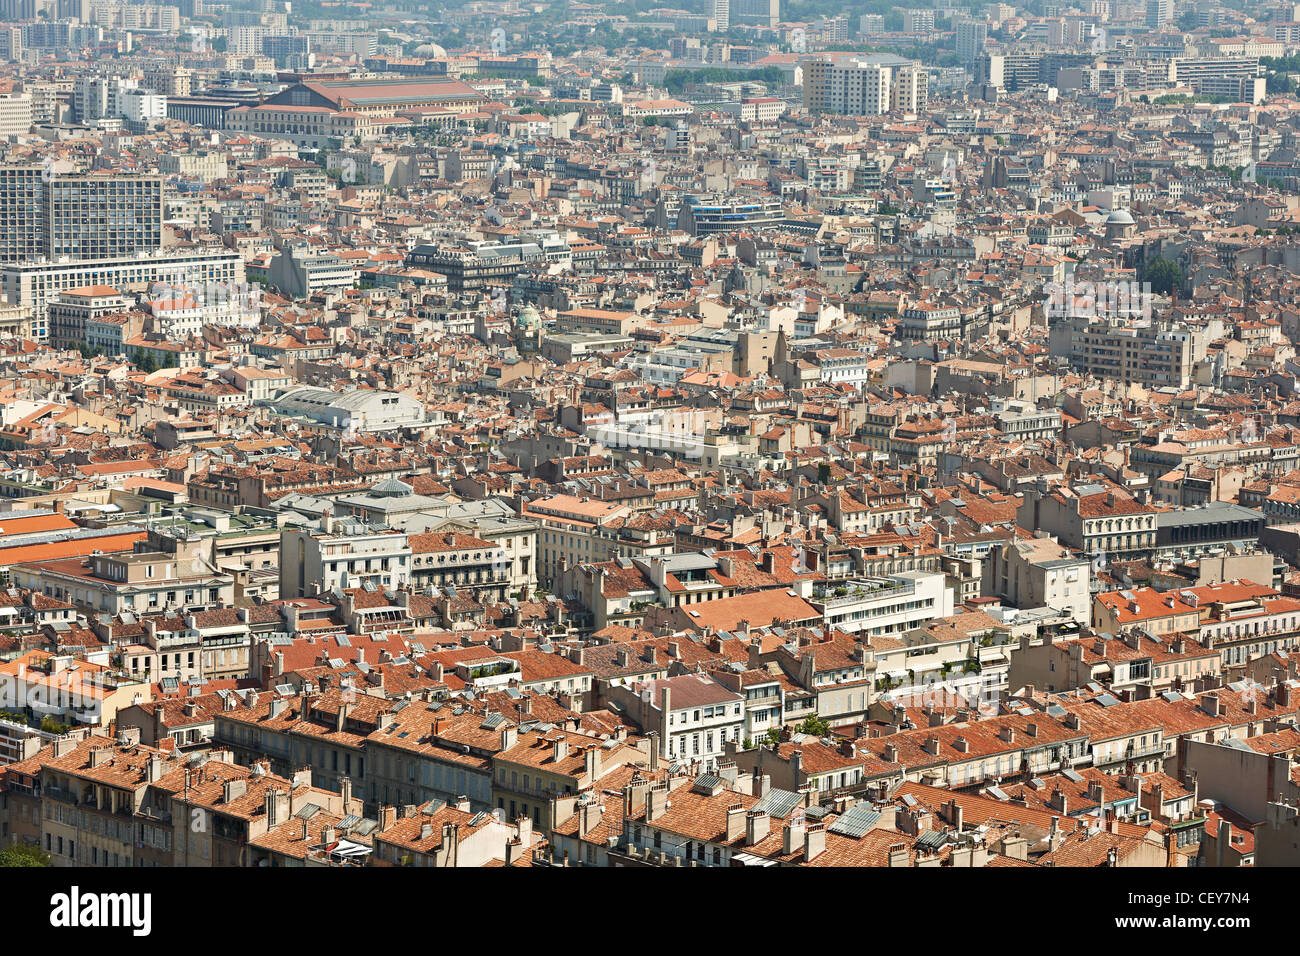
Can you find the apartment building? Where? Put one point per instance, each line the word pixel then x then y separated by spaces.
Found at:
pixel 692 715
pixel 15 114
pixel 859 88
pixel 140 581
pixel 880 606
pixel 538 766
pixel 71 313
pixel 449 559
pixel 1092 519
pixel 1151 354
pixel 1118 663
pixel 342 554
pixel 1039 572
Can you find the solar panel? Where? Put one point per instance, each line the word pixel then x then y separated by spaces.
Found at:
pixel 779 803
pixel 930 839
pixel 856 822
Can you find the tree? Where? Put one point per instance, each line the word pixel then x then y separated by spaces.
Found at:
pixel 22 854
pixel 52 726
pixel 1164 275
pixel 144 361
pixel 814 727
pixel 774 736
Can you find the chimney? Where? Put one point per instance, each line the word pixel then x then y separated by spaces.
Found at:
pixel 1059 801
pixel 1210 704
pixel 756 826
pixel 814 841
pixel 898 854
pixel 932 744
pixel 233 790
pixel 561 748
pixel 735 822
pixel 387 817
pixel 954 814
pixel 656 801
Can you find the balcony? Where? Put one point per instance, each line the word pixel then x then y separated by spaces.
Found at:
pixel 60 794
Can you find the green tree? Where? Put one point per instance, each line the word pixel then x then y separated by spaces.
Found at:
pixel 774 736
pixel 814 727
pixel 52 726
pixel 1163 274
pixel 144 361
pixel 22 854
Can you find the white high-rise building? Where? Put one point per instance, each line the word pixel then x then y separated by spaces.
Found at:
pixel 722 14
pixel 860 88
pixel 971 37
pixel 15 114
pixel 911 89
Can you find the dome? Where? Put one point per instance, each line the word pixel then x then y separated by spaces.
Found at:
pixel 528 318
pixel 1120 217
pixel 430 49
pixel 391 488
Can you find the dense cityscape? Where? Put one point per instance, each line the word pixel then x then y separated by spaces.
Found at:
pixel 594 434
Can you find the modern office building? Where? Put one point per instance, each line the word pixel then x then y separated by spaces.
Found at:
pixel 98 216
pixel 701 216
pixel 1159 13
pixel 971 37
pixel 35 283
pixel 762 12
pixel 79 216
pixel 22 205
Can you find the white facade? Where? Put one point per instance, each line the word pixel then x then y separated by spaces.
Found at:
pixel 343 555
pixel 892 605
pixel 15 114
